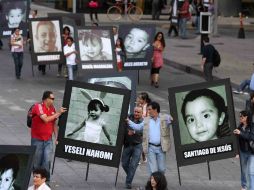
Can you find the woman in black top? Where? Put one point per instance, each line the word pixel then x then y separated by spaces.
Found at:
pixel 243 131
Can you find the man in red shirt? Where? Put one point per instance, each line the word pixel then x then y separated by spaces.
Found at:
pixel 43 126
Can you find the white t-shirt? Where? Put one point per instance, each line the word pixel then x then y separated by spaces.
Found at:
pixel 70 60
pixel 42 187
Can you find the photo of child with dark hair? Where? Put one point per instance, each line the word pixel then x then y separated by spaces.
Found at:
pixel 136 42
pixel 93 125
pixel 204 113
pixel 9 167
pixel 14 14
pixel 95 45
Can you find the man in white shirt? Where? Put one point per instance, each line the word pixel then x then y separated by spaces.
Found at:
pixel 39 179
pixel 70 54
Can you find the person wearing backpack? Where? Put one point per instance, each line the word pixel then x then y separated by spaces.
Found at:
pixel 43 127
pixel 207 59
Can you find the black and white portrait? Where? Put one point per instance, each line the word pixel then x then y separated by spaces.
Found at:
pixel 46 36
pixel 204 114
pixel 137 42
pixel 95 45
pixel 93 116
pixel 13 15
pixel 15 166
pixel 92 128
pixel 203 122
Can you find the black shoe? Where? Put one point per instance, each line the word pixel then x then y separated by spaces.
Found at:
pixel 156 85
pixel 128 186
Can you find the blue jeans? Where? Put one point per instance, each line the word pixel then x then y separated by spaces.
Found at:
pixel 18 61
pixel 72 71
pixel 243 85
pixel 130 158
pixel 43 154
pixel 244 158
pixel 156 159
pixel 251 172
pixel 182 27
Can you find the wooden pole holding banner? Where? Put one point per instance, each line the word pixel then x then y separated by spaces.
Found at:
pixel 53 165
pixel 116 175
pixel 87 170
pixel 209 171
pixel 32 70
pixel 179 176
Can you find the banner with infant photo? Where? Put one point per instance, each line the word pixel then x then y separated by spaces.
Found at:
pixel 96 48
pixel 138 45
pixel 92 130
pixel 15 166
pixel 204 121
pixel 13 14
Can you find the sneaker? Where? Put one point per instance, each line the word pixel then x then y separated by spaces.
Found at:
pixel 237 92
pixel 245 93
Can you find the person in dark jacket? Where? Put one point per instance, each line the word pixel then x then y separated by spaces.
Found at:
pixel 244 133
pixel 132 145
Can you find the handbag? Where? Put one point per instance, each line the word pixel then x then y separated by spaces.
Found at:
pixel 251 143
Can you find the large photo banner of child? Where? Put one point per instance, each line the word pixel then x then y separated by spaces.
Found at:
pixel 15 166
pixel 138 45
pixel 13 14
pixel 46 41
pixel 92 130
pixel 96 48
pixel 124 80
pixel 204 121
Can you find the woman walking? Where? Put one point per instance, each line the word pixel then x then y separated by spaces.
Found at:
pixel 17 48
pixel 157 59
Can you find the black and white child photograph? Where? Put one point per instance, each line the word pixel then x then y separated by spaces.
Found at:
pixel 93 116
pixel 95 45
pixel 15 166
pixel 204 121
pixel 137 41
pixel 93 123
pixel 13 15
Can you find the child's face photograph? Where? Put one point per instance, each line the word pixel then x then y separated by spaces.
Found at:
pixel 14 18
pixel 92 48
pixel 202 119
pixel 6 179
pixel 46 36
pixel 136 41
pixel 95 113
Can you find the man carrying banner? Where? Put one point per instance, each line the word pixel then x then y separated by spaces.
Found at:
pixel 43 126
pixel 132 145
pixel 156 137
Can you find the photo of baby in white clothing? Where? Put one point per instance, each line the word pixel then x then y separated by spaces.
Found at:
pixel 93 116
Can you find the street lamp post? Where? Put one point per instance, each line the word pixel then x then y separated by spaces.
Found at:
pixel 74 6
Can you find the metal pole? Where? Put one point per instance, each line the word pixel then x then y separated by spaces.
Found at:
pixel 74 6
pixel 125 8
